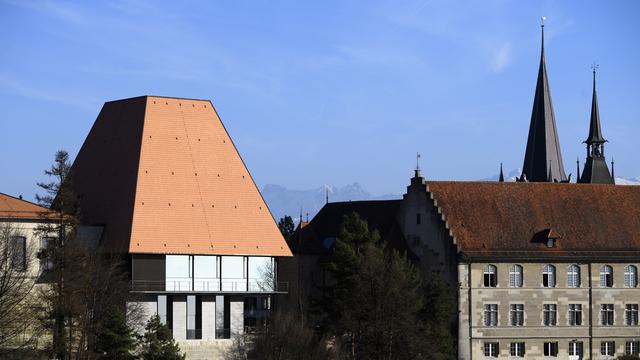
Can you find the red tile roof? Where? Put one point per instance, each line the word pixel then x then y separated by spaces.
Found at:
pixel 501 218
pixel 163 176
pixel 16 208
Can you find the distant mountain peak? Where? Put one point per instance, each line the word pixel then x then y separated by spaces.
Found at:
pixel 283 201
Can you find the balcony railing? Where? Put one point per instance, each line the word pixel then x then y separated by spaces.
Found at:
pixel 217 286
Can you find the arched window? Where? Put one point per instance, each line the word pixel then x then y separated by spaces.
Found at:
pixel 630 276
pixel 606 276
pixel 515 276
pixel 549 276
pixel 490 276
pixel 573 276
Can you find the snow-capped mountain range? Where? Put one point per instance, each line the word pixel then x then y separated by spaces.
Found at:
pixel 283 201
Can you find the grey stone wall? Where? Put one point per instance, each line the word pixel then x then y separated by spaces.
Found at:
pixel 473 298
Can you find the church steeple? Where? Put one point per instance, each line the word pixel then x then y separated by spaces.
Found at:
pixel 595 168
pixel 542 158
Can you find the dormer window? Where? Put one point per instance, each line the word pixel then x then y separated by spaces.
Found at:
pixel 551 242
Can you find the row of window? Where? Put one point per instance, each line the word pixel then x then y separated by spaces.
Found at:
pixel 549 276
pixel 550 314
pixel 18 253
pixel 550 349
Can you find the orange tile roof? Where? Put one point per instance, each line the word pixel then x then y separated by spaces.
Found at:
pixel 163 176
pixel 16 208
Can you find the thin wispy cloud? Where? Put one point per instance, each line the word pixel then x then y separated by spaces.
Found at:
pixel 11 86
pixel 502 57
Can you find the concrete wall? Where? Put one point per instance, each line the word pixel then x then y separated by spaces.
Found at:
pixel 237 316
pixel 139 312
pixel 180 317
pixel 472 300
pixel 208 317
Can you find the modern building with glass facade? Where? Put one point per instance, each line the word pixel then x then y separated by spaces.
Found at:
pixel 165 181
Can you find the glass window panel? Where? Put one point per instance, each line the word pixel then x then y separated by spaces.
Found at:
pixel 178 272
pixel 204 269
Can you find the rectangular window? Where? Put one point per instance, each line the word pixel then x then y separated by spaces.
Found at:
pixel 262 274
pixel 162 308
pixel 631 314
pixel 516 314
pixel 551 349
pixel 608 348
pixel 178 272
pixel 575 314
pixel 19 253
pixel 491 349
pixel 517 349
pixel 46 262
pixel 550 315
pixel 418 219
pixel 234 273
pixel 606 314
pixel 491 315
pixel 631 348
pixel 204 273
pixel 575 349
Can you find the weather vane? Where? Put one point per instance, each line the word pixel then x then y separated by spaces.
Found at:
pixel 594 67
pixel 542 19
pixel 417 161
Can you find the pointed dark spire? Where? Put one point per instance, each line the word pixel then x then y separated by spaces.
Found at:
pixel 501 177
pixel 577 170
pixel 595 167
pixel 595 131
pixel 613 176
pixel 543 155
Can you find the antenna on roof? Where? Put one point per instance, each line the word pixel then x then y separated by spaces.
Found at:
pixel 577 169
pixel 326 195
pixel 300 214
pixel 307 217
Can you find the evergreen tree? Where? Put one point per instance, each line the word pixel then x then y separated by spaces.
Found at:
pixel 286 226
pixel 436 318
pixel 377 297
pixel 115 339
pixel 62 264
pixel 158 344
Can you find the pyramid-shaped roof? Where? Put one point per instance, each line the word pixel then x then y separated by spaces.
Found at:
pixel 163 176
pixel 595 130
pixel 542 156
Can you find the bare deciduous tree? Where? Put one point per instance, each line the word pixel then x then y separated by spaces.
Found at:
pixel 19 328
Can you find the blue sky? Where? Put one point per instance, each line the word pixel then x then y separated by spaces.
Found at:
pixel 324 92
